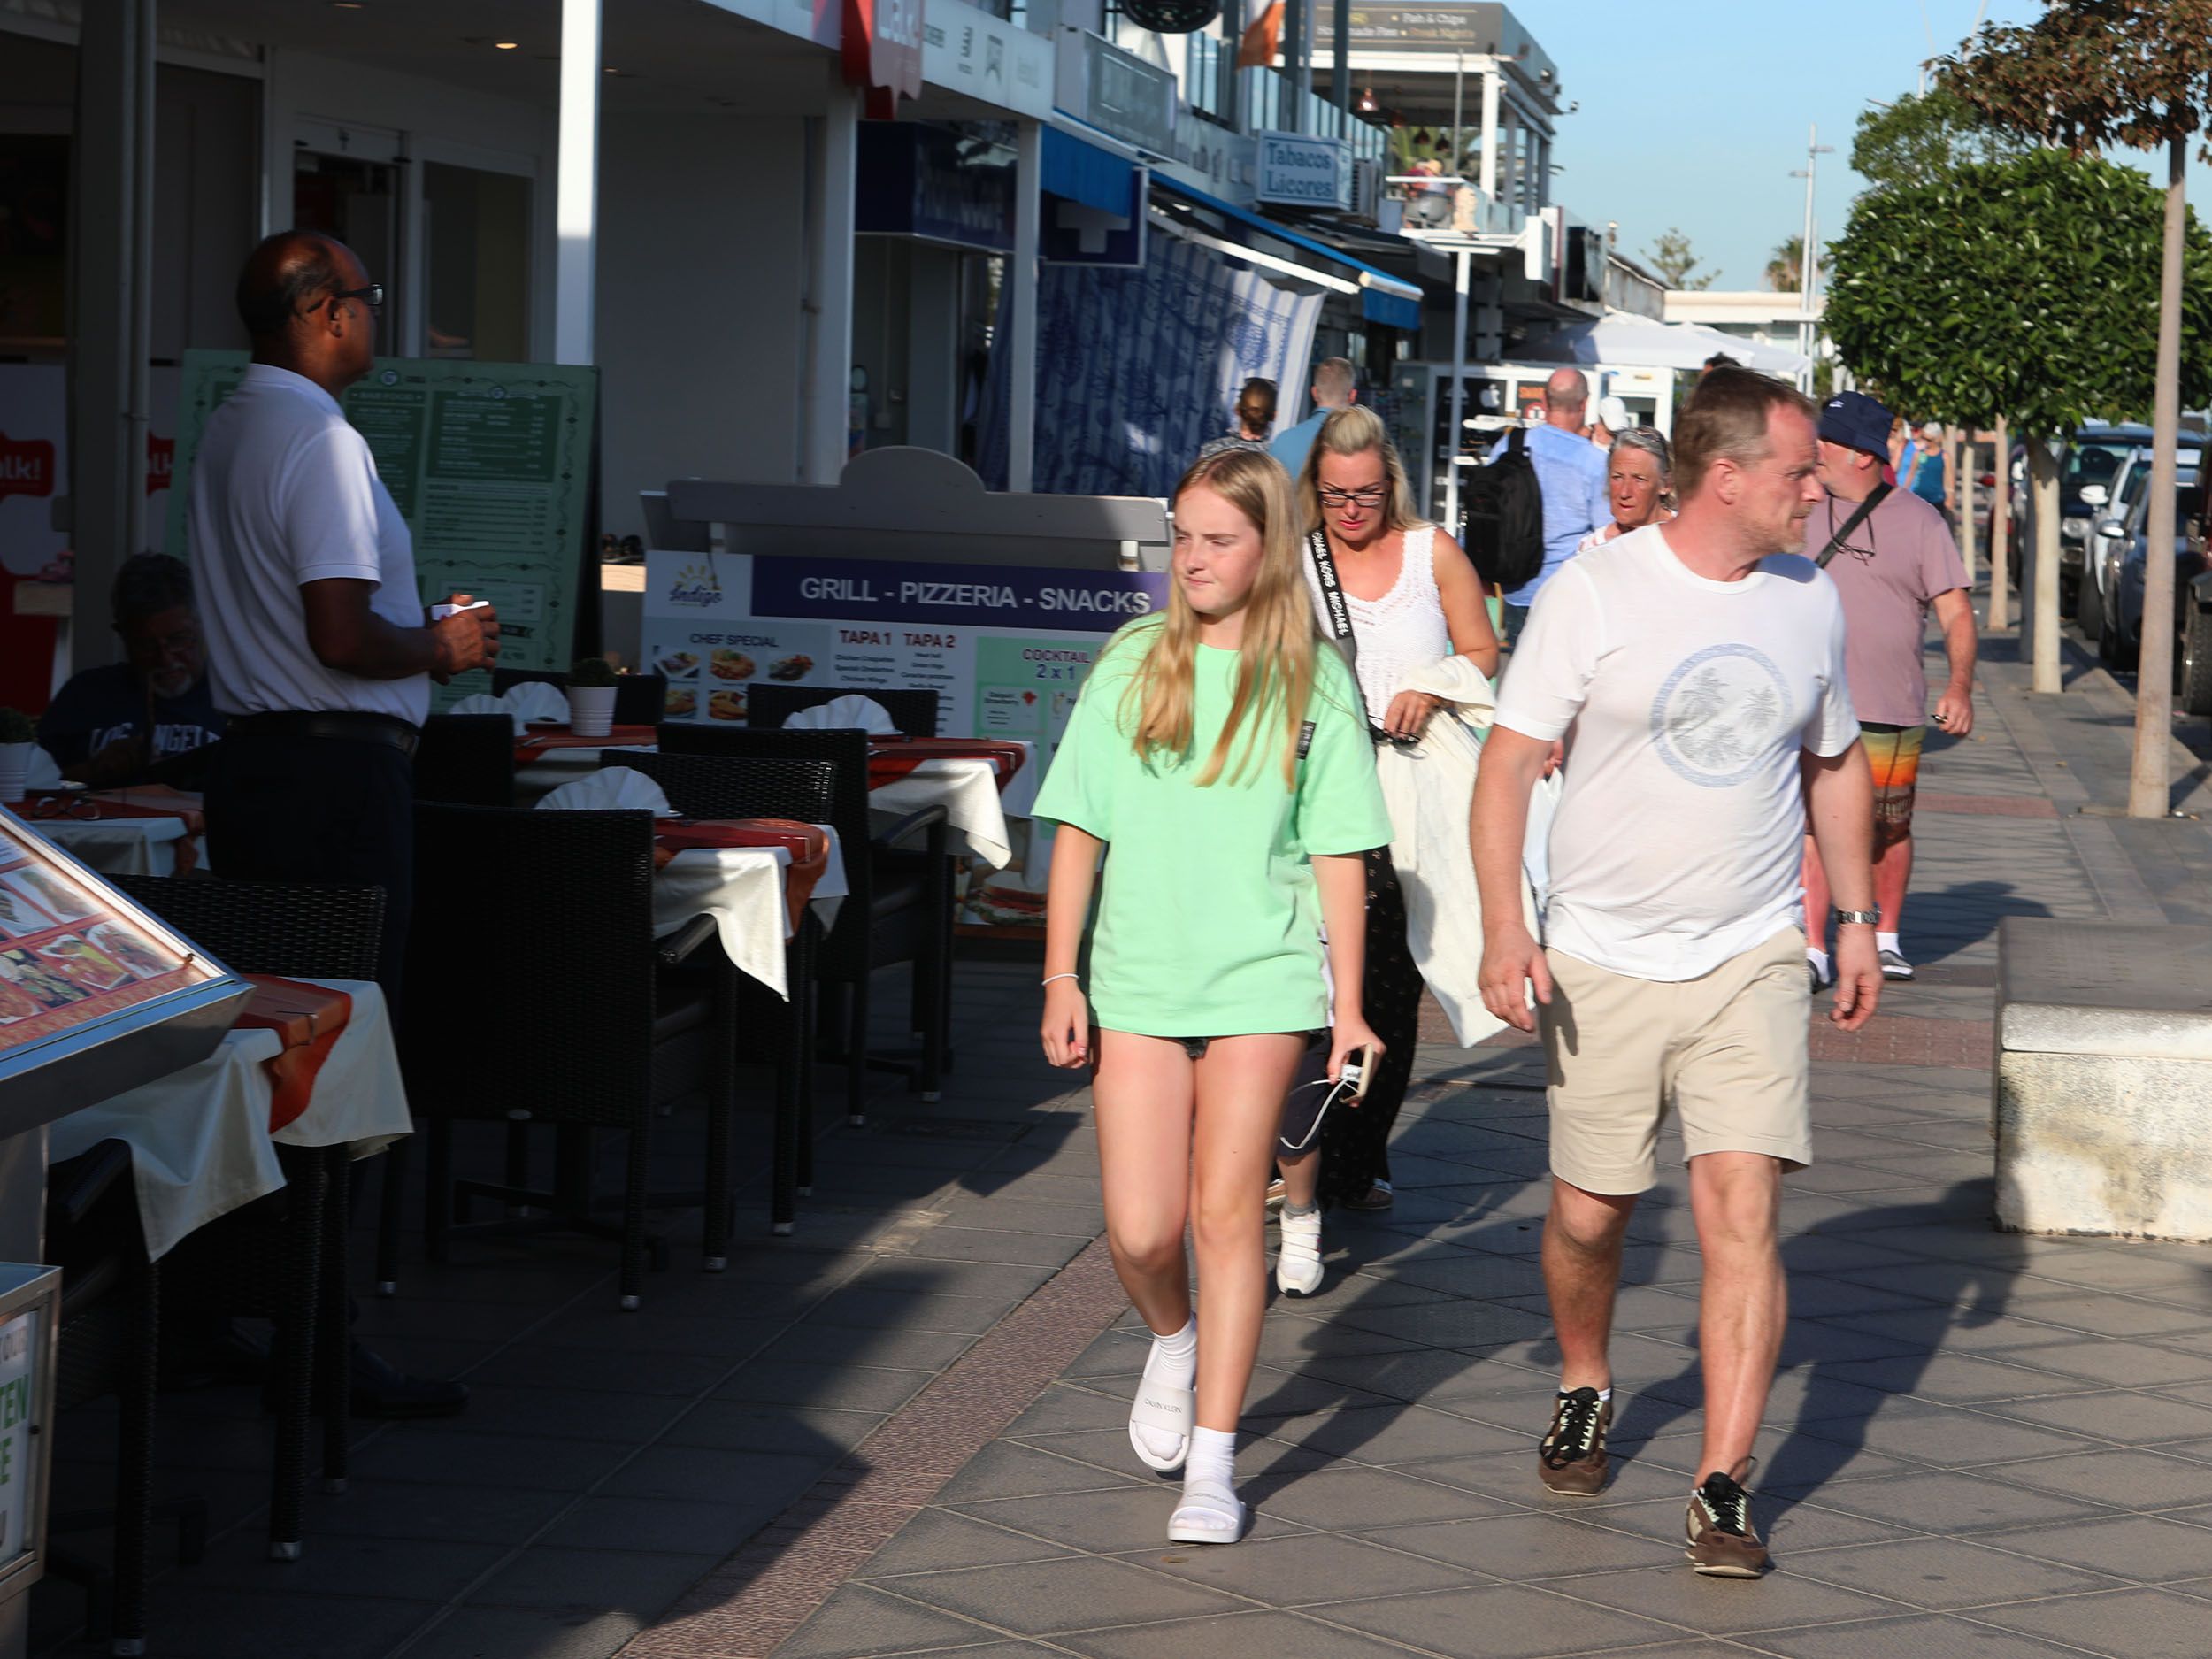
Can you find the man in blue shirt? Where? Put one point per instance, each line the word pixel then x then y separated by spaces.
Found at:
pixel 1335 387
pixel 1570 471
pixel 109 726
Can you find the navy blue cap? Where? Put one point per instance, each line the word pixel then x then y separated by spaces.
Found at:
pixel 1857 422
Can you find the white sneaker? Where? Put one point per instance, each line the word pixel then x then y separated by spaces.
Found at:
pixel 1894 966
pixel 1298 1266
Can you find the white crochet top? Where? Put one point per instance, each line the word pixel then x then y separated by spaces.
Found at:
pixel 1402 632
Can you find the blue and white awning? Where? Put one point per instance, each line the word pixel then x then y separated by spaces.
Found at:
pixel 1384 298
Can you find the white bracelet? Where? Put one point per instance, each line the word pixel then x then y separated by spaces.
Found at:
pixel 1048 978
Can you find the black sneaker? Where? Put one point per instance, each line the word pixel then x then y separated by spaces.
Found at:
pixel 1572 1458
pixel 1721 1543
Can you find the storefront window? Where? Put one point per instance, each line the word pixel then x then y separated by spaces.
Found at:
pixel 34 248
pixel 476 264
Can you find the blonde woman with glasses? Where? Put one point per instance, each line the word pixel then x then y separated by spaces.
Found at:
pixel 1404 605
pixel 1217 760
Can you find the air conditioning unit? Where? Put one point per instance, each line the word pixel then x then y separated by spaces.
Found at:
pixel 1367 190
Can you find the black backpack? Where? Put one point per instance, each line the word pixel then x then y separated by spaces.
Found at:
pixel 1502 527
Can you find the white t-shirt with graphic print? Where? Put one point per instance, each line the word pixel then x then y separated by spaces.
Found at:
pixel 1679 841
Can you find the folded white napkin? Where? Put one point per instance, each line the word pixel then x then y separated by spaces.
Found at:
pixel 45 773
pixel 609 789
pixel 535 700
pixel 841 714
pixel 484 703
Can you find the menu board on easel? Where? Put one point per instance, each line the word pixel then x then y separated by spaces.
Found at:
pixel 490 464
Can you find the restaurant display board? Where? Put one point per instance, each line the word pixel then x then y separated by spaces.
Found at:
pixel 1006 648
pixel 490 464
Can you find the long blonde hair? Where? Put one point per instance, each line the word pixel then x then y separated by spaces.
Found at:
pixel 1275 662
pixel 1355 430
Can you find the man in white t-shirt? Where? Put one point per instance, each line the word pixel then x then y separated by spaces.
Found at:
pixel 318 648
pixel 1697 671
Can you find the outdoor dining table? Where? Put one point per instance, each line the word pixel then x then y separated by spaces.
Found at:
pixel 547 757
pixel 200 1139
pixel 150 831
pixel 743 888
pixel 979 791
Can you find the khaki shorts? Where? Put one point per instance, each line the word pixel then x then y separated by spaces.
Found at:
pixel 1726 1049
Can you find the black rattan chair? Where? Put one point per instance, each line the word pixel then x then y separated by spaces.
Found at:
pixel 639 699
pixel 715 787
pixel 899 903
pixel 534 937
pixel 768 707
pixel 284 1257
pixel 466 760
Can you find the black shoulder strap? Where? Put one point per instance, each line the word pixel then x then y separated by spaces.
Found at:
pixel 1517 441
pixel 1835 542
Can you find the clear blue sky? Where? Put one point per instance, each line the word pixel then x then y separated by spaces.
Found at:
pixel 1693 111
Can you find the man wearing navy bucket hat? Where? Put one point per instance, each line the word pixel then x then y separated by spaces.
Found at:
pixel 1892 560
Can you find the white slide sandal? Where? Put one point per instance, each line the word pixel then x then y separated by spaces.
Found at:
pixel 1165 1409
pixel 1209 1513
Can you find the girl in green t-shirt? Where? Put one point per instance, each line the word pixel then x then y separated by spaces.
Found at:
pixel 1219 756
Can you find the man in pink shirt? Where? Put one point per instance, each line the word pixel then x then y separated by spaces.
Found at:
pixel 1891 564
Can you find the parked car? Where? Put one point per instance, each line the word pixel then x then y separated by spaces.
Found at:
pixel 2085 476
pixel 2108 532
pixel 2193 659
pixel 2122 635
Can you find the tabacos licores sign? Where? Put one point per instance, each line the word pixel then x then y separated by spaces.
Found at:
pixel 1300 170
pixel 882 51
pixel 26 466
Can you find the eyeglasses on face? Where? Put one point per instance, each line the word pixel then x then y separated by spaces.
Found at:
pixel 1371 497
pixel 372 295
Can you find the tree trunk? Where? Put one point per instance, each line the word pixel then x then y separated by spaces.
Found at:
pixel 2001 532
pixel 1962 473
pixel 2043 612
pixel 2149 776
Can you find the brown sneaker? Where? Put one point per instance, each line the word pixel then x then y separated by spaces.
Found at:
pixel 1572 1458
pixel 1721 1541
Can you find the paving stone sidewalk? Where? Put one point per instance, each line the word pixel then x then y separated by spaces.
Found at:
pixel 1979 1443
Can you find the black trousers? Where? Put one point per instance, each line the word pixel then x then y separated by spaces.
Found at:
pixel 335 811
pixel 1355 1144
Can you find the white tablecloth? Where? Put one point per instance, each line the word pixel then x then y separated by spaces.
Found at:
pixel 118 846
pixel 742 888
pixel 969 791
pixel 199 1138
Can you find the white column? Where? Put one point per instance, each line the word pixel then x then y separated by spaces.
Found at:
pixel 1454 426
pixel 829 362
pixel 112 290
pixel 576 197
pixel 1490 89
pixel 1021 279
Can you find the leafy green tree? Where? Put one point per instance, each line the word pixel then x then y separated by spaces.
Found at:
pixel 1671 259
pixel 1923 136
pixel 2089 73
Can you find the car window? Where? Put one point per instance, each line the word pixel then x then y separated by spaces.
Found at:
pixel 2094 463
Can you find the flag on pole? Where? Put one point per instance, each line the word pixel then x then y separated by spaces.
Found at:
pixel 1262 39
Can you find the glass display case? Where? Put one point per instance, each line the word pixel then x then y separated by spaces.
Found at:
pixel 97 994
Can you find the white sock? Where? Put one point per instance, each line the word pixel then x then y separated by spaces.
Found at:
pixel 1213 1455
pixel 1173 1359
pixel 1885 941
pixel 1819 959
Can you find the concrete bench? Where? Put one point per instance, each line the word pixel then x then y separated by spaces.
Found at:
pixel 2103 1089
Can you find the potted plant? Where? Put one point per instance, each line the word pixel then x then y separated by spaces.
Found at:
pixel 591 689
pixel 18 738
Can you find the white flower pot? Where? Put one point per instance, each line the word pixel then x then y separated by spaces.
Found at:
pixel 15 769
pixel 591 709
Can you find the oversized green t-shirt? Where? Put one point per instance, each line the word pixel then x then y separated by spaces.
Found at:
pixel 1209 920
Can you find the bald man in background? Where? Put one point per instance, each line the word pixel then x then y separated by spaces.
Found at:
pixel 1570 471
pixel 318 648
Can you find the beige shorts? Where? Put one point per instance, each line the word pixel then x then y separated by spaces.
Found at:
pixel 1727 1050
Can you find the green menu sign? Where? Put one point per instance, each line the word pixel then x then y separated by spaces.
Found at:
pixel 489 464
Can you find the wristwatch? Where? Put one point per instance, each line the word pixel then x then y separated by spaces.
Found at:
pixel 1861 919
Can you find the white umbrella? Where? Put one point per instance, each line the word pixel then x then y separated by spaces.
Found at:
pixel 1622 339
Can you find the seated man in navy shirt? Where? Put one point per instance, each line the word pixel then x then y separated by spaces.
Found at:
pixel 129 721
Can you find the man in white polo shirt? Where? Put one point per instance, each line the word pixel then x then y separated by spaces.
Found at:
pixel 318 648
pixel 1696 669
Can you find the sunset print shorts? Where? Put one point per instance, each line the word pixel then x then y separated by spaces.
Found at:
pixel 1893 752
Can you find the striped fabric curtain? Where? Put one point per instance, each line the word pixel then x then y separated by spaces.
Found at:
pixel 1137 368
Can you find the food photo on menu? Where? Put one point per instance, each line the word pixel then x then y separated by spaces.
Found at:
pixel 57 899
pixel 83 964
pixel 681 702
pixel 139 955
pixel 679 665
pixel 729 664
pixel 16 1004
pixel 18 916
pixel 37 980
pixel 726 705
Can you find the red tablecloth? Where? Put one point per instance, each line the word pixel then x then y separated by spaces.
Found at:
pixel 539 739
pixel 891 758
pixel 107 806
pixel 808 846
